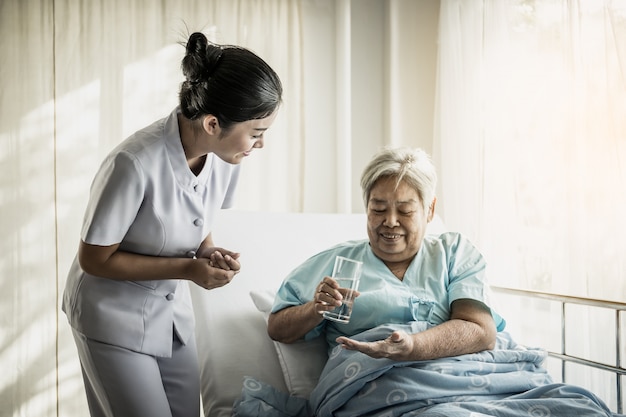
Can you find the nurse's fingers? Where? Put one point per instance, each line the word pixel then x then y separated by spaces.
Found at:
pixel 218 261
pixel 233 264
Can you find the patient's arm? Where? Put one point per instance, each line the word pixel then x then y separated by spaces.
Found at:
pixel 470 329
pixel 292 323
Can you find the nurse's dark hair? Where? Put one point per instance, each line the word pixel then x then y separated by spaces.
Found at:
pixel 230 82
pixel 411 165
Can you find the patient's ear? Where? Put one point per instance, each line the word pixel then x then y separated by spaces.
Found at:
pixel 431 209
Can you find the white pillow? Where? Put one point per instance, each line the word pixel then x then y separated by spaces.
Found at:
pixel 232 343
pixel 301 362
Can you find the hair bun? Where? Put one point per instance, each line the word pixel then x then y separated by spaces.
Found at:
pixel 201 58
pixel 196 45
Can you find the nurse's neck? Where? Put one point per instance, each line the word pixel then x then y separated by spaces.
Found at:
pixel 194 142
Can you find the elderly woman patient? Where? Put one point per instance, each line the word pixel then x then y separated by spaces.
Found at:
pixel 422 339
pixel 407 275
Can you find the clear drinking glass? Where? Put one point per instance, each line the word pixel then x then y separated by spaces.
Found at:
pixel 347 273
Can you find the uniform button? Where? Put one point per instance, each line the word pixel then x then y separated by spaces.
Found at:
pixel 198 222
pixel 169 296
pixel 191 254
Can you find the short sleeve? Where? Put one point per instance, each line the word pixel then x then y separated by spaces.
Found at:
pixel 116 194
pixel 467 268
pixel 293 291
pixel 467 274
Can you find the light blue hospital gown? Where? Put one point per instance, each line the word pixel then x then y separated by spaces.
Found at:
pixel 447 268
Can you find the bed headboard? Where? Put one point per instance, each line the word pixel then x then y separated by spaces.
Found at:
pixel 565 354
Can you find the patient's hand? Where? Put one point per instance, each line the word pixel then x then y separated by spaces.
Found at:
pixel 399 346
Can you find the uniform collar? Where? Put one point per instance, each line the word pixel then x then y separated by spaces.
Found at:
pixel 176 154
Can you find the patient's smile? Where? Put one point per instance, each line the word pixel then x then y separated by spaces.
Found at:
pixel 391 236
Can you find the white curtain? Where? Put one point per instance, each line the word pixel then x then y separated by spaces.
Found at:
pixel 121 67
pixel 531 147
pixel 531 139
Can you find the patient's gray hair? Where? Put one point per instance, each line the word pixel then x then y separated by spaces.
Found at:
pixel 411 165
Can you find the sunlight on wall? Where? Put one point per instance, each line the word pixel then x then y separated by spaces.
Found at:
pixel 533 149
pixel 28 336
pixel 554 151
pixel 150 88
pixel 79 153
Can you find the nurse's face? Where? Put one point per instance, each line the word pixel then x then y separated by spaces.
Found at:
pixel 396 220
pixel 239 141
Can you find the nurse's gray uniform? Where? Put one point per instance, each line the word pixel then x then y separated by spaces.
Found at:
pixel 137 337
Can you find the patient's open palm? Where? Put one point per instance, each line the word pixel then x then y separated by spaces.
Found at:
pixel 398 346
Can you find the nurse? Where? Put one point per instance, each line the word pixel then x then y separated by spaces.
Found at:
pixel 407 274
pixel 147 232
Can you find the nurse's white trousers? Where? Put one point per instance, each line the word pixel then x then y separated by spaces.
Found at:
pixel 123 383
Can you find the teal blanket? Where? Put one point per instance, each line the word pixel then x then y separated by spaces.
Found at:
pixel 508 381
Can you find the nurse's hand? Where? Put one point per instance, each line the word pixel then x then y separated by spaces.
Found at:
pixel 221 258
pixel 399 346
pixel 202 272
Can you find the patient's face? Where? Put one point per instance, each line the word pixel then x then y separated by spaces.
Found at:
pixel 396 221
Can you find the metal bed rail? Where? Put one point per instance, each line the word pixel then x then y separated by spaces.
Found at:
pixel 617 369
